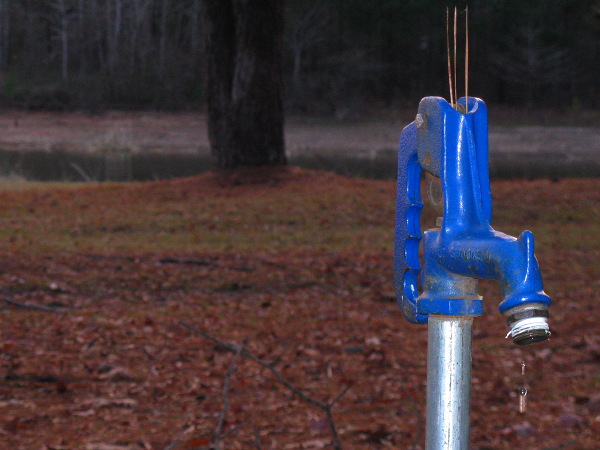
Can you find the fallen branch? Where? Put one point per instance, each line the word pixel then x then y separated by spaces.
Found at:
pixel 417 415
pixel 256 437
pixel 177 440
pixel 169 260
pixel 187 261
pixel 32 306
pixel 226 384
pixel 326 407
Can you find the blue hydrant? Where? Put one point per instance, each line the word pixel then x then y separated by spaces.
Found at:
pixel 453 146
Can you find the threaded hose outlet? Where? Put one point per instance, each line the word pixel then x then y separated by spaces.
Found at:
pixel 528 324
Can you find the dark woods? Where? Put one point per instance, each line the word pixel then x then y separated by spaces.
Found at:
pixel 338 54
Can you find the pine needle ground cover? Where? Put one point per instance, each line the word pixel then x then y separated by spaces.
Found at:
pixel 298 268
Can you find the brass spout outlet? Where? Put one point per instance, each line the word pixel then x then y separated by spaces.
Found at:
pixel 528 323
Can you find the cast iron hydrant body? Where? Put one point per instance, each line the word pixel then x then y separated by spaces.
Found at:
pixel 454 147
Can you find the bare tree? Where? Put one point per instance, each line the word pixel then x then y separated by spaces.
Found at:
pixel 164 11
pixel 83 36
pixel 114 22
pixel 4 32
pixel 195 30
pixel 309 28
pixel 61 15
pixel 139 15
pixel 529 62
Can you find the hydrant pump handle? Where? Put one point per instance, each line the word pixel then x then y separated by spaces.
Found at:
pixel 408 225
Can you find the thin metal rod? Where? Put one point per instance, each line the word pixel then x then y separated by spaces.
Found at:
pixel 467 60
pixel 455 39
pixel 449 58
pixel 448 382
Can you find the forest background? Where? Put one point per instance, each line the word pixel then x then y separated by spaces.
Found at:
pixel 340 55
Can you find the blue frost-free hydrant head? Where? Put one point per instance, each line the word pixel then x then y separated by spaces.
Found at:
pixel 453 146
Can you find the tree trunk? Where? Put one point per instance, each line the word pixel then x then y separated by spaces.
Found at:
pixel 113 35
pixel 244 48
pixel 194 33
pixel 61 28
pixel 64 40
pixel 4 34
pixel 162 43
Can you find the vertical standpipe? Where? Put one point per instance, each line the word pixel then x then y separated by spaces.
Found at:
pixel 449 382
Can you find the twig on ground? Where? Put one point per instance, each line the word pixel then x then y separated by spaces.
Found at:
pixel 226 383
pixel 417 414
pixel 200 262
pixel 233 430
pixel 188 261
pixel 175 442
pixel 32 306
pixel 326 407
pixel 565 444
pixel 170 260
pixel 256 437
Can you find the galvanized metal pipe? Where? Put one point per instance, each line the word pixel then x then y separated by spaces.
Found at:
pixel 449 382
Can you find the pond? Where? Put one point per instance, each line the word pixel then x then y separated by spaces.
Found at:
pixel 42 165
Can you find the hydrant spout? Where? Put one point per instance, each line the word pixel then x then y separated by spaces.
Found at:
pixel 452 265
pixel 520 279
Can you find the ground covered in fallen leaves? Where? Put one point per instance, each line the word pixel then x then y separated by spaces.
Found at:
pixel 296 265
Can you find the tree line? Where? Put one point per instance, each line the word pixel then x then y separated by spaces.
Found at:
pixel 337 54
pixel 101 53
